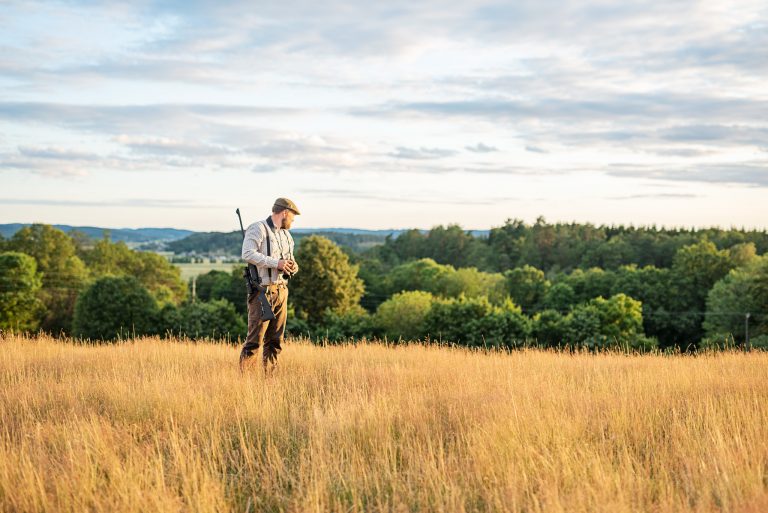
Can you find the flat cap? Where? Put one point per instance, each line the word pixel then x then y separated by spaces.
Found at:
pixel 286 203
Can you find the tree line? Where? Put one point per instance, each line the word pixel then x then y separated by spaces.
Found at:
pixel 523 285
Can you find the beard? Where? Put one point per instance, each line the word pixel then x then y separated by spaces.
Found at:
pixel 287 224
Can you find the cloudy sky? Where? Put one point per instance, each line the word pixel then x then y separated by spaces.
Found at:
pixel 390 115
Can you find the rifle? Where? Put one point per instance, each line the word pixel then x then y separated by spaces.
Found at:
pixel 253 283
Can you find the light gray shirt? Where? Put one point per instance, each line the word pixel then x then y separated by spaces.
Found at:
pixel 255 250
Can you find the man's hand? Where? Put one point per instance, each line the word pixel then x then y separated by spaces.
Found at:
pixel 289 266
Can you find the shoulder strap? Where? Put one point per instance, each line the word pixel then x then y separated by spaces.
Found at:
pixel 269 224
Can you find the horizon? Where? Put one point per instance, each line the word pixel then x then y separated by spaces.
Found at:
pixel 493 226
pixel 395 114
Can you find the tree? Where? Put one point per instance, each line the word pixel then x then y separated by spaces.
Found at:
pixel 356 323
pixel 560 297
pixel 742 254
pixel 326 281
pixel 613 322
pixel 223 285
pixel 470 282
pixel 527 286
pixel 214 320
pixel 402 315
pixel 550 327
pixel 114 307
pixel 424 274
pixel 453 246
pixel 64 274
pixel 744 290
pixel 476 322
pixel 20 307
pixel 591 283
pixel 506 244
pixel 159 276
pixel 695 269
pixel 653 287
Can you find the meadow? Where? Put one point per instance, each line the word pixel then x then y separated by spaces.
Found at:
pixel 190 270
pixel 158 425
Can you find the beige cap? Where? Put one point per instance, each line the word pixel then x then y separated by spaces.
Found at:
pixel 286 203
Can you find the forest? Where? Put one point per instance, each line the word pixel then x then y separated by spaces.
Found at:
pixel 521 285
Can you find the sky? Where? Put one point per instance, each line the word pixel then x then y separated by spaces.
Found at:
pixel 395 114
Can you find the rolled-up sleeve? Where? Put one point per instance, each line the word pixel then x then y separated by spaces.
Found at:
pixel 254 239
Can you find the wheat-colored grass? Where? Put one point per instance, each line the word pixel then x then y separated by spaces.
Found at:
pixel 158 426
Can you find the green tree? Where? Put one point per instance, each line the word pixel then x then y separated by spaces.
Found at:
pixel 356 323
pixel 559 297
pixel 402 315
pixel 424 274
pixel 222 285
pixel 64 274
pixel 476 322
pixel 654 288
pixel 20 307
pixel 742 254
pixel 113 307
pixel 376 277
pixel 550 328
pixel 591 283
pixel 453 246
pixel 326 280
pixel 744 290
pixel 157 274
pixel 695 270
pixel 506 244
pixel 471 282
pixel 613 322
pixel 527 286
pixel 212 320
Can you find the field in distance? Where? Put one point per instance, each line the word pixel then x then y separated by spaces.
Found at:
pixel 157 425
pixel 190 270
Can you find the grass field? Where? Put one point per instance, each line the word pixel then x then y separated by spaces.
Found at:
pixel 190 270
pixel 164 426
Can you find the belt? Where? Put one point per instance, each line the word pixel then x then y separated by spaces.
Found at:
pixel 276 284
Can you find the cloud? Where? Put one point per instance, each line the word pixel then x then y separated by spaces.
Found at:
pixel 422 153
pixel 655 196
pixel 481 148
pixel 119 203
pixel 136 119
pixel 57 153
pixel 170 146
pixel 754 174
pixel 641 106
pixel 677 85
pixel 410 198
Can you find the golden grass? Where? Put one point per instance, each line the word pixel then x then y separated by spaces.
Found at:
pixel 154 425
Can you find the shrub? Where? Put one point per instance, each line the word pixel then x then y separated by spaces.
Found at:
pixel 402 315
pixel 114 307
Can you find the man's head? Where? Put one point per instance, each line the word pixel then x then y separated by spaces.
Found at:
pixel 284 210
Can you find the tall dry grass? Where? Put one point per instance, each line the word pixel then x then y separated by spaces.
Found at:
pixel 154 425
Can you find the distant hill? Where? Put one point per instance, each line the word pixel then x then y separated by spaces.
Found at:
pixel 217 243
pixel 128 235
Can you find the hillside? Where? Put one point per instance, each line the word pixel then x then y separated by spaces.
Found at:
pixel 218 243
pixel 128 235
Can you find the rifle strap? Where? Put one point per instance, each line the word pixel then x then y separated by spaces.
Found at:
pixel 271 225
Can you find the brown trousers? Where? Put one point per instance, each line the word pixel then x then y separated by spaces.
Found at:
pixel 271 333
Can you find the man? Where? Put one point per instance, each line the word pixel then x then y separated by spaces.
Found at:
pixel 269 246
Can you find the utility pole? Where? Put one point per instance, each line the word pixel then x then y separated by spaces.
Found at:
pixel 746 331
